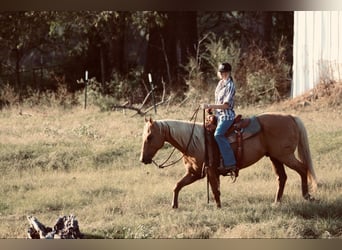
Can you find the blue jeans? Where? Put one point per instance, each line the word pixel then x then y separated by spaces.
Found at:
pixel 226 151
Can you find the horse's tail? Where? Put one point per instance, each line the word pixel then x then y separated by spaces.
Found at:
pixel 305 155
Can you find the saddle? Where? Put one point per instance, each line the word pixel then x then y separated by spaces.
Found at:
pixel 211 122
pixel 241 129
pixel 239 124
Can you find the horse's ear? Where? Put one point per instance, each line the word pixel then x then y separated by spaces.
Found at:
pixel 149 120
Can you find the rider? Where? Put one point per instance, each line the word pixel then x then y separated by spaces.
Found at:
pixel 224 106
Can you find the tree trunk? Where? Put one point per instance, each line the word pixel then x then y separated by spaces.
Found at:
pixel 121 62
pixel 17 74
pixel 170 46
pixel 267 33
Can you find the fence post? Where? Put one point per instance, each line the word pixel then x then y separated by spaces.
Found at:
pixel 85 89
pixel 152 89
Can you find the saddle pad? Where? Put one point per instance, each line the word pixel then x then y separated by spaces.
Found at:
pixel 253 128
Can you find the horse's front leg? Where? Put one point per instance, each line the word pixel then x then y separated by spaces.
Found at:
pixel 187 179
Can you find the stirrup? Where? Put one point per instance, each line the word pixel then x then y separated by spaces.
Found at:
pixel 233 174
pixel 228 172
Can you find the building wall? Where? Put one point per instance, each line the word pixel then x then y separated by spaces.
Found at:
pixel 317 49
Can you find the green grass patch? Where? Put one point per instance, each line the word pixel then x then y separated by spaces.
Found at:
pixel 86 162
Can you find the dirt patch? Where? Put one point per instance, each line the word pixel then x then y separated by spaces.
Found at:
pixel 324 95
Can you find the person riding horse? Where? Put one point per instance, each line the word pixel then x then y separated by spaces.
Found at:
pixel 225 114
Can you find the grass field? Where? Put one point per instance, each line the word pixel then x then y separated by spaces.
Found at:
pixel 85 162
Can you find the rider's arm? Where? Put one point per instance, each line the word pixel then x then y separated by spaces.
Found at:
pixel 218 106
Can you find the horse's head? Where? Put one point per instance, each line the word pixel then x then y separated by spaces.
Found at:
pixel 153 140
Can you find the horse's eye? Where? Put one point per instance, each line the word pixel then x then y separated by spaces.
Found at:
pixel 149 138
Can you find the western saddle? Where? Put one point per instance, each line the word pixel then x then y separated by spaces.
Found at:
pixel 238 126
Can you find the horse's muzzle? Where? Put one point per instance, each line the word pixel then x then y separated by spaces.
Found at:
pixel 146 161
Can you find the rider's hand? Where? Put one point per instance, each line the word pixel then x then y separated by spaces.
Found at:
pixel 205 106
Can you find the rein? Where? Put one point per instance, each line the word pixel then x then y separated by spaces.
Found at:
pixel 163 165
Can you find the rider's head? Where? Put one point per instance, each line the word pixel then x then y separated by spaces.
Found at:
pixel 224 67
pixel 224 70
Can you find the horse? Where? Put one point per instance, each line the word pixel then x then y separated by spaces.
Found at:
pixel 279 138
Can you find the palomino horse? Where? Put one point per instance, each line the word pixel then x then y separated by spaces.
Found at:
pixel 279 137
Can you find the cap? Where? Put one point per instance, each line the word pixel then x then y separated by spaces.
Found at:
pixel 225 67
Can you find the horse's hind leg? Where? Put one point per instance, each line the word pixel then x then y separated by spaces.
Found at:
pixel 281 178
pixel 187 179
pixel 299 167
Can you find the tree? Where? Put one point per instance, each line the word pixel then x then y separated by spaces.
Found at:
pixel 170 46
pixel 262 28
pixel 124 46
pixel 20 34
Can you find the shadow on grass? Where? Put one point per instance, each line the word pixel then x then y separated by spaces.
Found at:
pixel 319 209
pixel 92 236
pixel 323 218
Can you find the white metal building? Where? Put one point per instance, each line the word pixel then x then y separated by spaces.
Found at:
pixel 317 49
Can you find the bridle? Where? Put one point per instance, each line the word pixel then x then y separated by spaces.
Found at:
pixel 164 165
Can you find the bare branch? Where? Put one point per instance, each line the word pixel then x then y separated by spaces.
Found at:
pixel 139 110
pixel 129 107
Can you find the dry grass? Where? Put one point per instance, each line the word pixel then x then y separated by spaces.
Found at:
pixel 56 162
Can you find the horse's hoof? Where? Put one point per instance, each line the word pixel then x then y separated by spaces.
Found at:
pixel 276 204
pixel 312 199
pixel 308 197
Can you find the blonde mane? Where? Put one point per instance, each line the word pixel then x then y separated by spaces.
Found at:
pixel 181 131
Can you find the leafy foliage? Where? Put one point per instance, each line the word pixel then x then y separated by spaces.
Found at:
pixel 119 48
pixel 260 79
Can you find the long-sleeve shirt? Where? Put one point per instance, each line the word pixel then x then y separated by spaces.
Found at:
pixel 224 93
